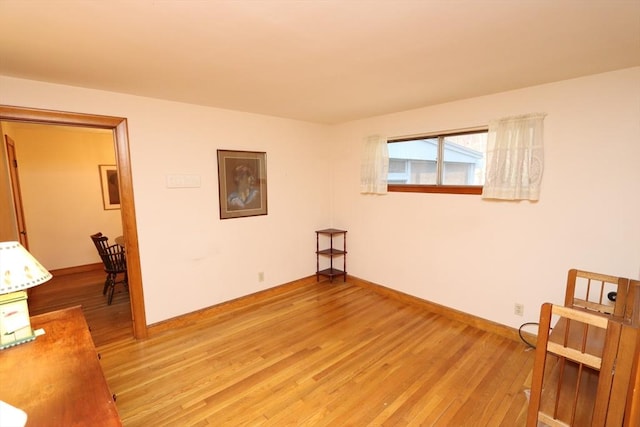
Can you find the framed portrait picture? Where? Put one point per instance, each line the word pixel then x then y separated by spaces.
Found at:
pixel 109 186
pixel 242 182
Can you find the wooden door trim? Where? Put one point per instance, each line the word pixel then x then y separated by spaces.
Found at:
pixel 18 208
pixel 127 209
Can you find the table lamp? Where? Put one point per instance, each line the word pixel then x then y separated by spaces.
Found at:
pixel 19 270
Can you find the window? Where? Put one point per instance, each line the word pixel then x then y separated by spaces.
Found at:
pixel 446 163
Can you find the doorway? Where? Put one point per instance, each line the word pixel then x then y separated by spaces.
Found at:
pixel 118 126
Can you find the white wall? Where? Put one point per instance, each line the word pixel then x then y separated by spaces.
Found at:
pixel 190 258
pixel 60 187
pixel 476 256
pixel 479 256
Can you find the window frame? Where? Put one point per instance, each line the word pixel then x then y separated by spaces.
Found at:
pixel 437 188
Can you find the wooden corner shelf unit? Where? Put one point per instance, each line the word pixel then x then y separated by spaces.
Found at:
pixel 331 252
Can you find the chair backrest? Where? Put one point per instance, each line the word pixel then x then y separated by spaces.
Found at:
pixel 112 256
pixel 584 346
pixel 100 241
pixel 592 291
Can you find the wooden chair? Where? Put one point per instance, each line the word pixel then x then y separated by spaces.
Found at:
pixel 573 377
pixel 591 291
pixel 115 263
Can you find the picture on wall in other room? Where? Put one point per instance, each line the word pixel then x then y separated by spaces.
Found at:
pixel 109 185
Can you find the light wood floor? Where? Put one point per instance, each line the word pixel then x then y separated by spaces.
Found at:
pixel 108 323
pixel 317 355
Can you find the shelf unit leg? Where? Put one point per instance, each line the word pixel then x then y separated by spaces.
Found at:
pixel 344 258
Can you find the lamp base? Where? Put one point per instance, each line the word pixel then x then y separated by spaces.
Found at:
pixel 15 325
pixel 17 342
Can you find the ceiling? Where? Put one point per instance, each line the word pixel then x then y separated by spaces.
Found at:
pixel 325 61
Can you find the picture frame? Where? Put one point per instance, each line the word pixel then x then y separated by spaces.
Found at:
pixel 242 183
pixel 109 186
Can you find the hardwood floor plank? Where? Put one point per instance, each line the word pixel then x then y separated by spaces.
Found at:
pixel 318 354
pixel 108 323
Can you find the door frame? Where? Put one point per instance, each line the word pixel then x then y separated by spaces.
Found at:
pixel 127 209
pixel 16 192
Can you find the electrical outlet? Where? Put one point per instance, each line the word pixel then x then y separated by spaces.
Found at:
pixel 261 276
pixel 518 309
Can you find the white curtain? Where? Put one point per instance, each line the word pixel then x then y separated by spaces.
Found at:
pixel 515 158
pixel 375 166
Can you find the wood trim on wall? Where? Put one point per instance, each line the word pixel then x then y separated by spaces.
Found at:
pixel 77 269
pixel 127 209
pixel 446 189
pixel 227 306
pixel 466 318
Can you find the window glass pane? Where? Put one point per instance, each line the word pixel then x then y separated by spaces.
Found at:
pixel 423 172
pixel 464 159
pixel 413 162
pixel 397 166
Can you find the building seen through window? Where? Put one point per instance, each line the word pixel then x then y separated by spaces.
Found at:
pixel 442 160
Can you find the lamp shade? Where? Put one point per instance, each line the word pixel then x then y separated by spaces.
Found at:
pixel 19 269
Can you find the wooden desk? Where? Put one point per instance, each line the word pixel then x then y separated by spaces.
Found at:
pixel 57 379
